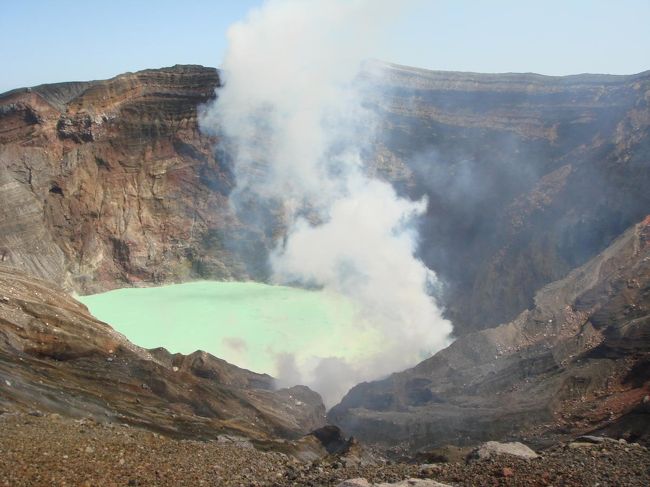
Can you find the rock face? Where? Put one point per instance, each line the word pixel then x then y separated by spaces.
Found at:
pixel 527 176
pixel 110 183
pixel 55 357
pixel 578 361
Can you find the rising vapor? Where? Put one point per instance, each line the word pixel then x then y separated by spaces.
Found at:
pixel 291 109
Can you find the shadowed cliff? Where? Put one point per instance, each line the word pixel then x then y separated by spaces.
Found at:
pixel 576 362
pixel 527 176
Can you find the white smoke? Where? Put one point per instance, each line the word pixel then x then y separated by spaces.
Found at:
pixel 291 106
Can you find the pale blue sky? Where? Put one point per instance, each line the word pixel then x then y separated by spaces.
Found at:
pixel 45 41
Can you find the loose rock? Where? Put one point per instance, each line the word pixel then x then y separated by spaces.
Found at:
pixel 492 448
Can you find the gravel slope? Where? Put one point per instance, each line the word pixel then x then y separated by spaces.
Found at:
pixel 54 451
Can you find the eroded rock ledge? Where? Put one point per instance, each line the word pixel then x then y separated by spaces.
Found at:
pixel 578 361
pixel 56 357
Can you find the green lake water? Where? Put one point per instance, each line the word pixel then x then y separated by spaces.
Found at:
pixel 245 323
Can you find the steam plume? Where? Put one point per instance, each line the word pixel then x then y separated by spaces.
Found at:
pixel 291 107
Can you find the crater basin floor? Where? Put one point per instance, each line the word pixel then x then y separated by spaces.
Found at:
pixel 249 324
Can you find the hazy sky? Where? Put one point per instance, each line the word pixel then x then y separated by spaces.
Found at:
pixel 45 41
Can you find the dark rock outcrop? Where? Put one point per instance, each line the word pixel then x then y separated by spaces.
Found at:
pixel 527 176
pixel 55 357
pixel 576 362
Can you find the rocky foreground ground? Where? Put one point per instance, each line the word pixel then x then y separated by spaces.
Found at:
pixel 48 450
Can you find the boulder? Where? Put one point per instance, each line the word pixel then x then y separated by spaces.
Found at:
pixel 413 483
pixel 494 448
pixel 355 483
pixel 591 439
pixel 360 482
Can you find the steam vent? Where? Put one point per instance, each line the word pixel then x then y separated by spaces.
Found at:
pixel 312 267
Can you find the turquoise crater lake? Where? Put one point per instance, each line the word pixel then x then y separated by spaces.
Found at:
pixel 248 324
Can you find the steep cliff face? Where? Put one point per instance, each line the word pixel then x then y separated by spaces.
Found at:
pixel 55 357
pixel 110 183
pixel 577 361
pixel 527 176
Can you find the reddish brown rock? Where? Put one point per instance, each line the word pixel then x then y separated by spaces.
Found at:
pixel 55 357
pixel 111 183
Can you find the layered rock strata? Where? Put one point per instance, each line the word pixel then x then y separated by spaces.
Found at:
pixel 578 361
pixel 56 357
